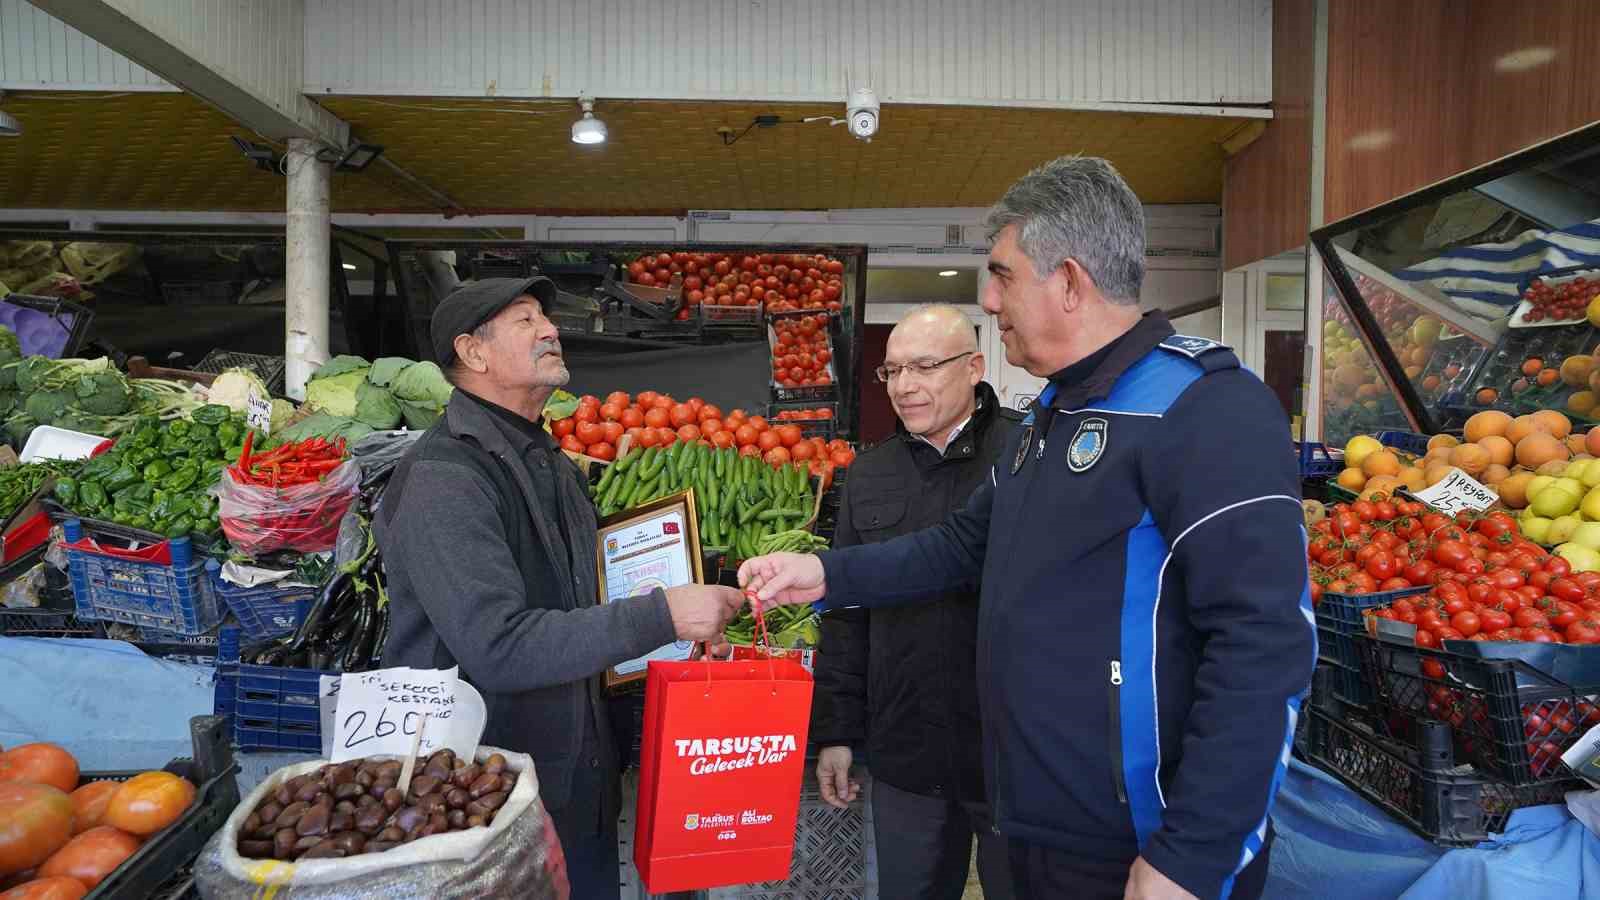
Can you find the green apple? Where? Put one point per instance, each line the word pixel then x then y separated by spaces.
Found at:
pixel 1591 475
pixel 1590 505
pixel 1538 484
pixel 1535 528
pixel 1588 535
pixel 1583 559
pixel 1578 470
pixel 1558 498
pixel 1562 529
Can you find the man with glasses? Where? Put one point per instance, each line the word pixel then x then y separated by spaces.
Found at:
pixel 1145 629
pixel 902 681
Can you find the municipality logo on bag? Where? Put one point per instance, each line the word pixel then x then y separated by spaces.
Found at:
pixel 727 754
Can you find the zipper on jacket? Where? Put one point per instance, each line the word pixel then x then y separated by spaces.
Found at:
pixel 1114 733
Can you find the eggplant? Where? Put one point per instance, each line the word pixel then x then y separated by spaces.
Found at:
pixel 359 635
pixel 335 587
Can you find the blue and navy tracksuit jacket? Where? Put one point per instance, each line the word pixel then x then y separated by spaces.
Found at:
pixel 1145 630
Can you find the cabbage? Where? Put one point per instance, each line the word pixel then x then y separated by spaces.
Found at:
pixel 336 395
pixel 282 412
pixel 376 407
pixel 339 365
pixel 422 383
pixel 560 405
pixel 315 425
pixel 419 415
pixel 385 370
pixel 233 387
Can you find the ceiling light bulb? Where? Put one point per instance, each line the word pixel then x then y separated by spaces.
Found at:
pixel 588 130
pixel 949 273
pixel 350 267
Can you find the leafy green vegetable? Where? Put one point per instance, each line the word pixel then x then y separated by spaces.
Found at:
pixel 282 411
pixel 104 394
pixel 31 371
pixel 376 407
pixel 46 406
pixel 336 395
pixel 560 405
pixel 352 431
pixel 419 416
pixel 210 415
pixel 386 369
pixel 10 347
pixel 339 365
pixel 318 424
pixel 422 382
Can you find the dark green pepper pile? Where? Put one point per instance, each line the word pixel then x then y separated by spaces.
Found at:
pixel 20 482
pixel 158 476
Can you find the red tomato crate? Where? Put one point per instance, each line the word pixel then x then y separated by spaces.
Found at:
pixel 1338 621
pixel 1450 805
pixel 1510 718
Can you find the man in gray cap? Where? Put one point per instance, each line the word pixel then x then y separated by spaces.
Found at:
pixel 488 540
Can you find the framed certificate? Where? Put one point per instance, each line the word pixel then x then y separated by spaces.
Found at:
pixel 656 545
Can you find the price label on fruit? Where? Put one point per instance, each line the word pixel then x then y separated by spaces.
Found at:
pixel 1456 492
pixel 258 412
pixel 380 713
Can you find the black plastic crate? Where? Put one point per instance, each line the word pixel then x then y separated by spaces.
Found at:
pixel 1453 806
pixel 269 369
pixel 73 318
pixel 1339 620
pixel 47 622
pixel 155 869
pixel 1510 719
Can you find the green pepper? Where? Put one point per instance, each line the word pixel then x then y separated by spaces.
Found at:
pixel 99 467
pixel 142 457
pixel 233 454
pixel 211 471
pixel 200 431
pixel 229 434
pixel 66 490
pixel 182 504
pixel 157 470
pixel 124 476
pixel 183 479
pixel 178 428
pixel 179 527
pixel 146 435
pixel 140 521
pixel 211 414
pixel 91 494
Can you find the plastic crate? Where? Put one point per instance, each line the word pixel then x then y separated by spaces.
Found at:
pixel 263 612
pixel 153 865
pixel 45 621
pixel 269 368
pixel 1338 618
pixel 225 693
pixel 1315 461
pixel 1410 442
pixel 109 586
pixel 278 709
pixel 72 320
pixel 1505 713
pixel 1453 806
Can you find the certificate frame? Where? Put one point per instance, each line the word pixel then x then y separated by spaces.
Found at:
pixel 680 553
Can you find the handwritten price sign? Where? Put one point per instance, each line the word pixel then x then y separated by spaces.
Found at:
pixel 1457 492
pixel 258 412
pixel 379 713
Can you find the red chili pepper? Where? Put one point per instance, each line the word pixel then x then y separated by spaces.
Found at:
pixel 244 455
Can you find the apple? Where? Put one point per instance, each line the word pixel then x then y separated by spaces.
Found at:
pixel 1562 528
pixel 1535 528
pixel 1558 498
pixel 1587 534
pixel 1583 559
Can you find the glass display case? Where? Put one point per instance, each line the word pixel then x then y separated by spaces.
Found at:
pixel 1480 292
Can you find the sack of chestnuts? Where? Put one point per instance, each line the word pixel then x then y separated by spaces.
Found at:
pixel 461 822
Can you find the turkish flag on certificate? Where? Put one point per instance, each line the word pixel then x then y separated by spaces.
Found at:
pixel 721 760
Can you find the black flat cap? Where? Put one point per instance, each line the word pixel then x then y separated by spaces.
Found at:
pixel 476 302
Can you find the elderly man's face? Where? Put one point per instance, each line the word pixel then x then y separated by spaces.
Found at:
pixel 1024 305
pixel 932 402
pixel 523 349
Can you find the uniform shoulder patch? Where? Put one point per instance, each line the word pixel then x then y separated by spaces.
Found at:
pixel 1191 346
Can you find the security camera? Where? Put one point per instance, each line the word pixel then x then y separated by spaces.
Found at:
pixel 861 112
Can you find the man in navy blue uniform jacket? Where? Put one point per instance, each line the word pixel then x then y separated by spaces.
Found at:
pixel 1145 629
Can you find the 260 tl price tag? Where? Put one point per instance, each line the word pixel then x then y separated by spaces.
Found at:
pixel 379 713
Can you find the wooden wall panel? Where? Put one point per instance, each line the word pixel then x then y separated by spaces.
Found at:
pixel 1415 94
pixel 1267 186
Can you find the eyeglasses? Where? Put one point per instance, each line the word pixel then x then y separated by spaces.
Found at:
pixel 921 367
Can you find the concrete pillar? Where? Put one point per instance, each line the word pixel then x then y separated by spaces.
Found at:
pixel 308 228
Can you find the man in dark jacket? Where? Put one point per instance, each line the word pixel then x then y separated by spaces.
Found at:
pixel 1145 630
pixel 902 681
pixel 488 540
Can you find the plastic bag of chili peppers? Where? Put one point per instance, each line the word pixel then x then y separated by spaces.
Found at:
pixel 291 498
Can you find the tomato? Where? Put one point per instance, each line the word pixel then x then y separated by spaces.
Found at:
pixel 679 415
pixel 789 435
pixel 648 437
pixel 611 412
pixel 1426 638
pixel 1382 565
pixel 587 414
pixel 1417 572
pixel 768 440
pixel 1456 605
pixel 1583 632
pixel 842 458
pixel 91 856
pixel 1539 636
pixel 56 888
pixel 1563 614
pixel 1564 588
pixel 710 426
pixel 689 433
pixel 614 432
pixel 590 433
pixel 35 820
pixel 656 417
pixel 803 451
pixel 1492 620
pixel 666 437
pixel 1479 589
pixel 777 456
pixel 1505 579
pixel 1365 510
pixel 89 804
pixel 1433 668
pixel 571 444
pixel 1468 623
pixel 1449 633
pixel 1530 618
pixel 746 435
pixel 42 763
pixel 604 450
pixel 1470 566
pixel 1394 584
pixel 1556 565
pixel 1450 590
pixel 563 427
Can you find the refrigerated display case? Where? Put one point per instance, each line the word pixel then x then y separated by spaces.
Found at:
pixel 1480 292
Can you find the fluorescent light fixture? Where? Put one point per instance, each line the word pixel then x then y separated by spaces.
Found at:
pixel 358 156
pixel 1525 59
pixel 588 130
pixel 949 273
pixel 350 266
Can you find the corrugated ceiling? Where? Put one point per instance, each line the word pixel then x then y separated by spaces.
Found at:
pixel 170 151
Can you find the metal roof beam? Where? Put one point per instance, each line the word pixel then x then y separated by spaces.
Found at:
pixel 244 58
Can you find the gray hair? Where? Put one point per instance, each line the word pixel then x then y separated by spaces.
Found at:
pixel 1078 207
pixel 458 368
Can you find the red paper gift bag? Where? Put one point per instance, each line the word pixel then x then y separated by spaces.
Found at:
pixel 721 760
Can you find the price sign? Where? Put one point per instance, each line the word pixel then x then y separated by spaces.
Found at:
pixel 258 412
pixel 1457 492
pixel 379 713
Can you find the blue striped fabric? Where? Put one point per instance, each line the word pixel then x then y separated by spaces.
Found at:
pixel 1494 273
